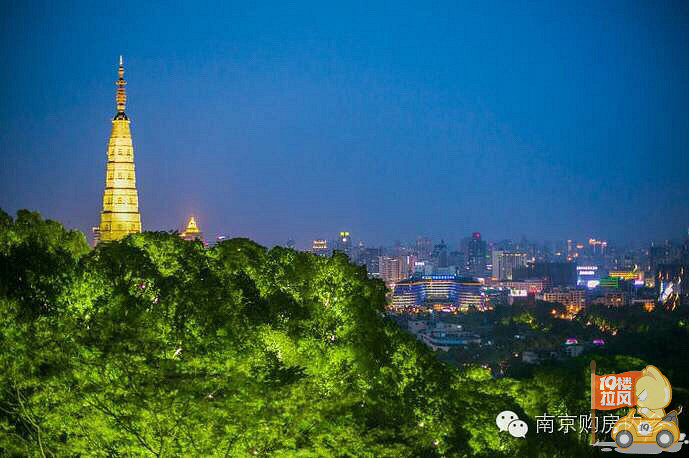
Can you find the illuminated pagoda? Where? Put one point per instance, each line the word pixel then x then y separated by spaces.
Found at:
pixel 120 216
pixel 192 232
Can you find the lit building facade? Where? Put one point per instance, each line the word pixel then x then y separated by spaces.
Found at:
pixel 612 299
pixel 389 270
pixel 477 254
pixel 525 287
pixel 438 292
pixel 626 275
pixel 120 216
pixel 424 248
pixel 395 268
pixel 598 247
pixel 370 257
pixel 588 275
pixel 320 247
pixel 671 285
pixel 609 283
pixel 439 255
pixel 574 300
pixel 504 262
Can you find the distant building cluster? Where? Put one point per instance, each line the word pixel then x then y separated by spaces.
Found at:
pixel 426 275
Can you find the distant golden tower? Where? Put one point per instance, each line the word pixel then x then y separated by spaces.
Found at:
pixel 120 215
pixel 192 232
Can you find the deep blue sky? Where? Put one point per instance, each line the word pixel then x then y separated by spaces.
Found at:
pixel 545 119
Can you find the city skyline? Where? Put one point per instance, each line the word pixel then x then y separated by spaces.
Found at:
pixel 438 229
pixel 424 138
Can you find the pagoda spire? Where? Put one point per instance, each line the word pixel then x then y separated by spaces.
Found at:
pixel 120 216
pixel 121 94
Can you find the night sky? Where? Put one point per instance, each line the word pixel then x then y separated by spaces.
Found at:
pixel 391 120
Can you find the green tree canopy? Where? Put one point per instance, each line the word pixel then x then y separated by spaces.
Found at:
pixel 158 346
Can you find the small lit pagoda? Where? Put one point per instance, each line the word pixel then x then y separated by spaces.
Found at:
pixel 192 232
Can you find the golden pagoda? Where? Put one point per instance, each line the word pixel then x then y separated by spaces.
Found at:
pixel 192 232
pixel 120 215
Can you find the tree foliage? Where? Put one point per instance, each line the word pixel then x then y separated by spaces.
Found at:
pixel 154 345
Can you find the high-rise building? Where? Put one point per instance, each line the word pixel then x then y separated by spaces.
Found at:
pixel 344 243
pixel 395 268
pixel 192 231
pixel 505 245
pixel 407 264
pixel 557 273
pixel 424 247
pixel 370 257
pixel 456 259
pixel 504 262
pixel 389 268
pixel 439 254
pixel 120 215
pixel 320 247
pixel 597 247
pixel 559 251
pixel 666 253
pixel 477 254
pixel 358 251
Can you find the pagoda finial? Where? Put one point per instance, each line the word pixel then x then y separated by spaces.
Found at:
pixel 121 95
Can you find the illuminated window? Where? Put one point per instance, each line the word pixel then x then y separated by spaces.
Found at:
pixel 119 200
pixel 119 175
pixel 110 176
pixel 129 176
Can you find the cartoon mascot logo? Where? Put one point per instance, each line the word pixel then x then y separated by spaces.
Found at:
pixel 648 393
pixel 653 393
